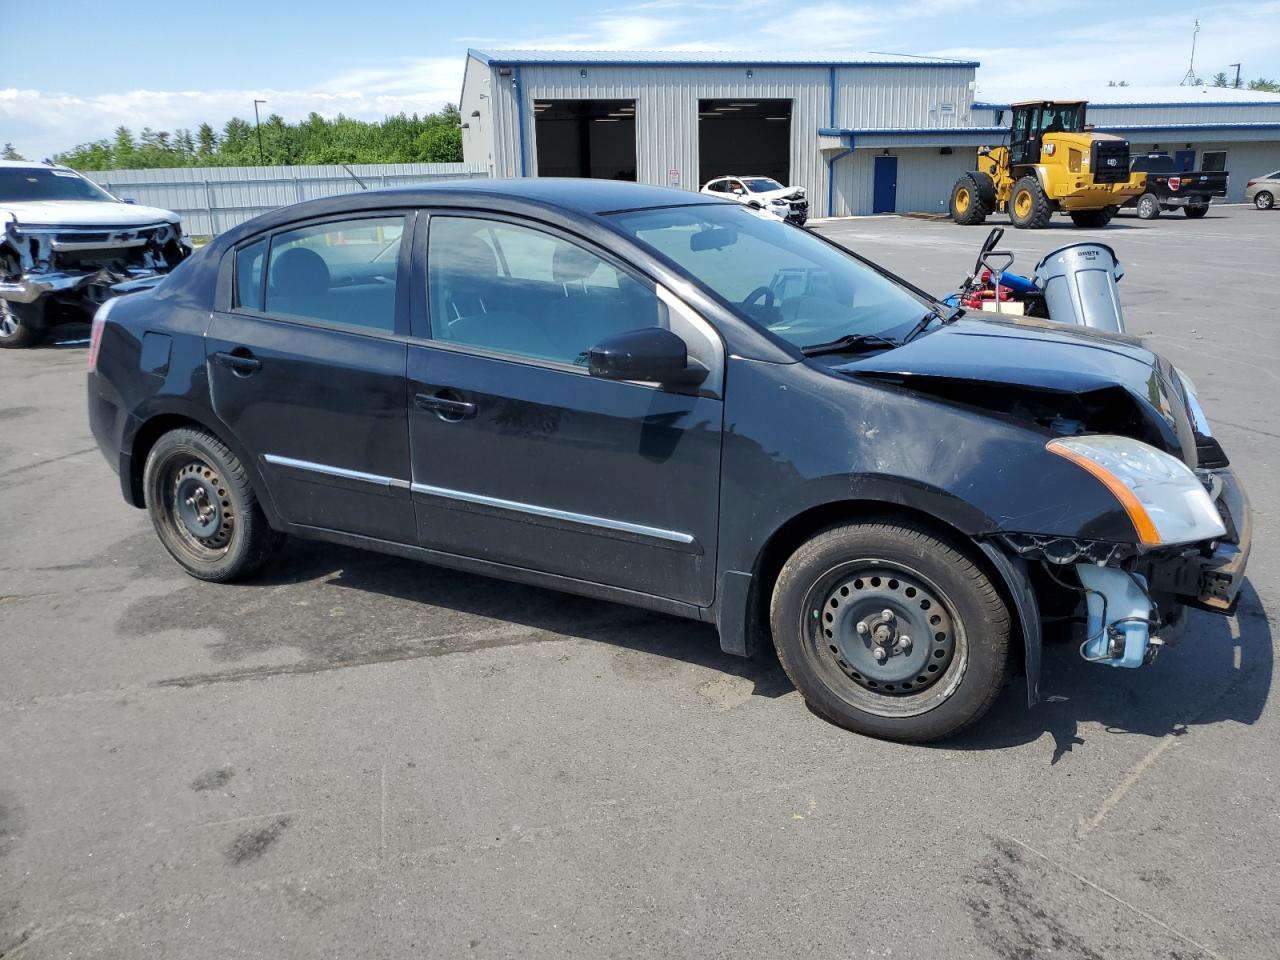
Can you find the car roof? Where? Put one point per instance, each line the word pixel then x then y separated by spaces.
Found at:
pixel 30 165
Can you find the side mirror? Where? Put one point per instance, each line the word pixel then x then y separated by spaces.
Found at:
pixel 651 354
pixel 738 191
pixel 128 200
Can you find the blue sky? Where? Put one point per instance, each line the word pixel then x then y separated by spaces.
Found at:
pixel 92 66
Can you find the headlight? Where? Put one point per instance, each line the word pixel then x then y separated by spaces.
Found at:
pixel 1162 497
pixel 1198 420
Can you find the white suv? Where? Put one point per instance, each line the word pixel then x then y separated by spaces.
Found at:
pixel 764 194
pixel 65 242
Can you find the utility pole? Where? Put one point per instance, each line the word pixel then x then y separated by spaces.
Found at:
pixel 257 126
pixel 1237 66
pixel 1190 79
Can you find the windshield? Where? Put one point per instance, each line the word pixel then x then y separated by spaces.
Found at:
pixel 785 279
pixel 761 184
pixel 35 183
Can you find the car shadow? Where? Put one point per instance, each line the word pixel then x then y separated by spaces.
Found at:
pixel 539 609
pixel 1211 675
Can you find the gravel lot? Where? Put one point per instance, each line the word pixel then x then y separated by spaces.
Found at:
pixel 362 756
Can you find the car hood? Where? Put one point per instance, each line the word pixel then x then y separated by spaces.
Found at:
pixel 786 193
pixel 82 213
pixel 1048 372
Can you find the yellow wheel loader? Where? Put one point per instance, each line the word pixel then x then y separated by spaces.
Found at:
pixel 1051 163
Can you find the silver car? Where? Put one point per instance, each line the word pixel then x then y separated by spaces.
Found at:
pixel 1263 191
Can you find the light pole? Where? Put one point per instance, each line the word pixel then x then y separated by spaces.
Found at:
pixel 257 126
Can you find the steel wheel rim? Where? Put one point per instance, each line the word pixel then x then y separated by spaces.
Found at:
pixel 1148 206
pixel 197 508
pixel 8 322
pixel 1022 203
pixel 962 200
pixel 902 685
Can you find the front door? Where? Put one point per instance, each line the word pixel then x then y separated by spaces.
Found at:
pixel 519 456
pixel 307 369
pixel 885 188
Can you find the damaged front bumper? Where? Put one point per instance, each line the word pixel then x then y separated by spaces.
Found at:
pixel 1136 602
pixel 96 285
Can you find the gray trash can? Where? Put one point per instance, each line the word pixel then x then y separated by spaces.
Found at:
pixel 1079 284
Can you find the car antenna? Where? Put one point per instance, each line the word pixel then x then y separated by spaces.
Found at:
pixel 363 185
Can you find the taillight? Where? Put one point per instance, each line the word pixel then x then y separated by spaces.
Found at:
pixel 1175 183
pixel 95 335
pixel 1251 183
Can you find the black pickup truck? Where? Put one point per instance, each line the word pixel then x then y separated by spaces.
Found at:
pixel 1169 188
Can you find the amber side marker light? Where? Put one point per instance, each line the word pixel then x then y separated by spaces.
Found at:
pixel 1138 516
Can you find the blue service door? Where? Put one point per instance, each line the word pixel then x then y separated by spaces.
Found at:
pixel 884 195
pixel 1185 160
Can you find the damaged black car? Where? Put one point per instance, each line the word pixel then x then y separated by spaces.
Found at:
pixel 660 399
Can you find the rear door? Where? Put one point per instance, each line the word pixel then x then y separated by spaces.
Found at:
pixel 522 458
pixel 307 367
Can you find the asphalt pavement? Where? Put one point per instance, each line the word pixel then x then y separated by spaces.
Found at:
pixel 355 755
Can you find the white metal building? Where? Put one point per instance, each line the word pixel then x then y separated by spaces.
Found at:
pixel 873 133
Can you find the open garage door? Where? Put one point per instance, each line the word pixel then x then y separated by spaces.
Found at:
pixel 586 138
pixel 744 137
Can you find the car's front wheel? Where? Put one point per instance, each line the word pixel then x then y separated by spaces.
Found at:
pixel 21 324
pixel 891 631
pixel 204 509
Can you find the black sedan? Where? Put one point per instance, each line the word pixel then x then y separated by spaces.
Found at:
pixel 658 398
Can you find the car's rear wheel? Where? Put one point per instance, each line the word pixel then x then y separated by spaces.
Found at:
pixel 203 508
pixel 1196 211
pixel 1263 200
pixel 1148 206
pixel 21 324
pixel 891 631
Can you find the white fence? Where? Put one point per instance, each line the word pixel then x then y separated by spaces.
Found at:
pixel 213 199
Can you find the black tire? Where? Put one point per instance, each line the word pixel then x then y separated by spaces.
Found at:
pixel 1196 212
pixel 1092 218
pixel 203 508
pixel 1264 200
pixel 943 680
pixel 1148 207
pixel 1029 208
pixel 21 324
pixel 967 206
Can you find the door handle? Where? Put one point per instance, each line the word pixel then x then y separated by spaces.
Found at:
pixel 240 362
pixel 446 405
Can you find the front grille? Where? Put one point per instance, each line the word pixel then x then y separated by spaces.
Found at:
pixel 1109 161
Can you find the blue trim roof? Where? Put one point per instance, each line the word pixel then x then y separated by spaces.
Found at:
pixel 909 131
pixel 688 58
pixel 1190 104
pixel 1191 127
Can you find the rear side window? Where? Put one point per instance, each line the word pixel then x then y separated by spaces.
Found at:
pixel 249 275
pixel 340 272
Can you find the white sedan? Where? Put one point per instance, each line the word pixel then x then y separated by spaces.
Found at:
pixel 764 194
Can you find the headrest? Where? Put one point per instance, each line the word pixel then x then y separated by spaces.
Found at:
pixel 571 264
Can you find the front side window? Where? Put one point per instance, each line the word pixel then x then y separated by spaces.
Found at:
pixel 788 281
pixel 342 272
pixel 513 289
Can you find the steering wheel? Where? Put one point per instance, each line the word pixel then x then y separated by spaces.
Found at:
pixel 756 294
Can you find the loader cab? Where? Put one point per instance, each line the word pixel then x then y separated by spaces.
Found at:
pixel 1031 121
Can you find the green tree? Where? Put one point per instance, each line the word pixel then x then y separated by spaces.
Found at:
pixel 10 153
pixel 1219 80
pixel 206 140
pixel 1267 86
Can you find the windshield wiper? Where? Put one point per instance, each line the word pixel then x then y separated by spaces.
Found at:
pixel 850 343
pixel 949 315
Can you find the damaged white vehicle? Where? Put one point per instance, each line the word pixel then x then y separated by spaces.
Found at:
pixel 764 194
pixel 65 242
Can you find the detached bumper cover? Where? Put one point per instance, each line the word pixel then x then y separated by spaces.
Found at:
pixel 31 287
